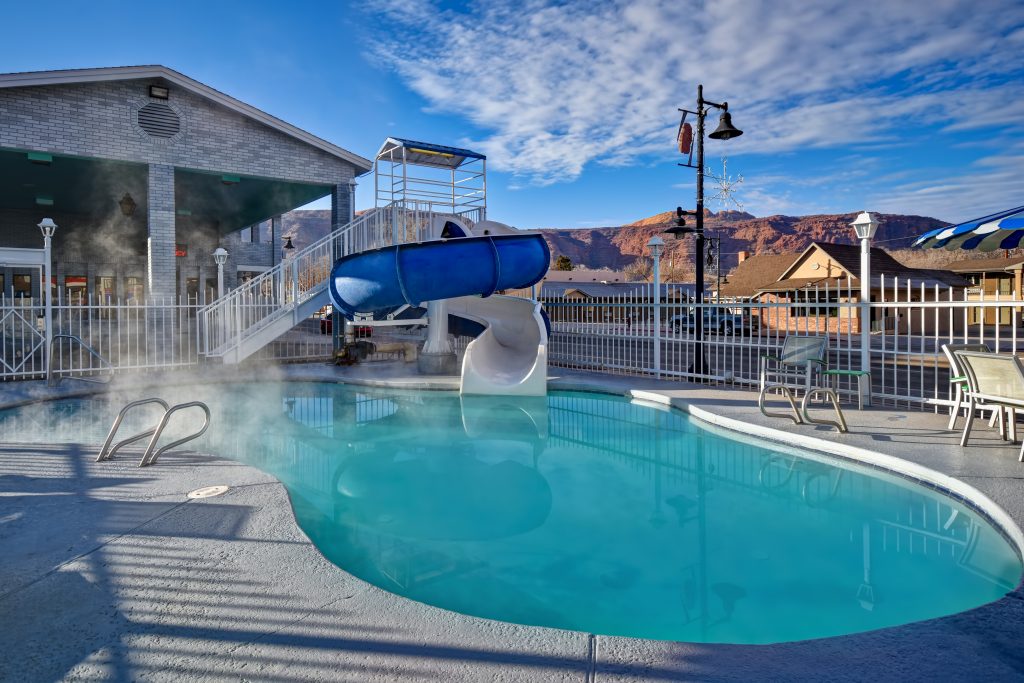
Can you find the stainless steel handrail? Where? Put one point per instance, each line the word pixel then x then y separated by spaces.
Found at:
pixel 150 457
pixel 50 376
pixel 107 452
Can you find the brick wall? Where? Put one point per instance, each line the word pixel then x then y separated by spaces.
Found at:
pixel 100 120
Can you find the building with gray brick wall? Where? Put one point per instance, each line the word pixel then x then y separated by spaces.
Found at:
pixel 146 172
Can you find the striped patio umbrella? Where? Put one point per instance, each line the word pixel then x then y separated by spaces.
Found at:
pixel 1003 230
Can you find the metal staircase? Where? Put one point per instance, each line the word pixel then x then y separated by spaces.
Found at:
pixel 259 311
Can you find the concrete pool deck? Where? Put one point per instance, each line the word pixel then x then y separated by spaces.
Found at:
pixel 110 573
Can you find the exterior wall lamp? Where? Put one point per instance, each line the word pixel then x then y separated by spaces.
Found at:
pixel 127 205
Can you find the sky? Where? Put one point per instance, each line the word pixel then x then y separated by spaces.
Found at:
pixel 912 107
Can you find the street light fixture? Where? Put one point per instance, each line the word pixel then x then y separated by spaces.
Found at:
pixel 725 131
pixel 220 257
pixel 48 227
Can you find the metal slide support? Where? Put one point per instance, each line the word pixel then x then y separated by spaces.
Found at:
pixel 151 455
pixel 107 452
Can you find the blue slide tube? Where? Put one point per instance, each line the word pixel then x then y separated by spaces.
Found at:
pixel 440 269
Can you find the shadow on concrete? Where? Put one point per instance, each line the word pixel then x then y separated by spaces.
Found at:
pixel 100 581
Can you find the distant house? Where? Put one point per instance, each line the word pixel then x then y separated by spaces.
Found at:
pixel 755 272
pixel 829 273
pixel 609 301
pixel 584 275
pixel 991 278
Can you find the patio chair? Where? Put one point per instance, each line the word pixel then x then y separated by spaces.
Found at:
pixel 958 376
pixel 802 359
pixel 996 381
pixel 798 361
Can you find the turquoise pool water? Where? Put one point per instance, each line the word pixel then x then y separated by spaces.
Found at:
pixel 591 512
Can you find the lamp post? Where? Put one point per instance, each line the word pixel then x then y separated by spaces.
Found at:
pixel 656 245
pixel 865 226
pixel 724 131
pixel 48 227
pixel 220 257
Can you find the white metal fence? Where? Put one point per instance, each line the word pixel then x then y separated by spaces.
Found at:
pixel 605 334
pixel 909 326
pixel 125 336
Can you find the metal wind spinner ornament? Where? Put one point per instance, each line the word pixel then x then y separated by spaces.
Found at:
pixel 726 186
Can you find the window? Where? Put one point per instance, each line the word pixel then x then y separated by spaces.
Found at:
pixel 77 287
pixel 105 290
pixel 192 290
pixel 22 286
pixel 816 304
pixel 134 289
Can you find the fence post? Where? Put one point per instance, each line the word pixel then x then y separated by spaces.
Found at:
pixel 865 225
pixel 656 244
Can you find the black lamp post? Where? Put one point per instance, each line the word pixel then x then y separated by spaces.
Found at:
pixel 725 131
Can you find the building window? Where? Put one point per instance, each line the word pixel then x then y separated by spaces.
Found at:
pixel 816 303
pixel 1006 285
pixel 105 291
pixel 22 286
pixel 192 290
pixel 77 288
pixel 134 289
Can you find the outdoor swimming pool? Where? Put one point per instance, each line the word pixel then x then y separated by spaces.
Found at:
pixel 587 512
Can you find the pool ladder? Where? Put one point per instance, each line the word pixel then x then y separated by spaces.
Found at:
pixel 152 454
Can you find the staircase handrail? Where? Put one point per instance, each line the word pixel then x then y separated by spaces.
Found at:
pixel 242 312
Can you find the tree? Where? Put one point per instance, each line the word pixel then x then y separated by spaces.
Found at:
pixel 563 262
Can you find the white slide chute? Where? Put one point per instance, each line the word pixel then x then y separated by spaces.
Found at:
pixel 510 355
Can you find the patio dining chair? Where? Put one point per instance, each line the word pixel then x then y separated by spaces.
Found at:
pixel 958 377
pixel 803 358
pixel 994 380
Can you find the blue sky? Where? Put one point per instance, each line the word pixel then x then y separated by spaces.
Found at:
pixel 906 107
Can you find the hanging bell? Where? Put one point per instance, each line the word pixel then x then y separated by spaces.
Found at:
pixel 725 130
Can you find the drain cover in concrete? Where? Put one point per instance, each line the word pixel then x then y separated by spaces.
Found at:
pixel 208 492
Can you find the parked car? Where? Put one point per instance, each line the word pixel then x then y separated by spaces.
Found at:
pixel 327 324
pixel 716 319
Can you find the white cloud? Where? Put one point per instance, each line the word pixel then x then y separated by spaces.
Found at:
pixel 558 86
pixel 990 184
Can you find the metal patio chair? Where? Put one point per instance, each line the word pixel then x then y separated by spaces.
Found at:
pixel 995 381
pixel 802 360
pixel 958 376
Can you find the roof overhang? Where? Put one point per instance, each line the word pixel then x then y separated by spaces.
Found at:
pixel 126 73
pixel 430 154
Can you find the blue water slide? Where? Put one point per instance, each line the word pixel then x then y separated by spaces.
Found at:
pixel 439 269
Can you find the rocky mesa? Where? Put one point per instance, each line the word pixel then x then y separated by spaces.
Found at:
pixel 616 247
